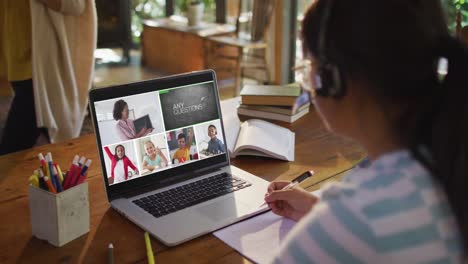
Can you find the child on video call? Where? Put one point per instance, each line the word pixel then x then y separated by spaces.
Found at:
pixel 183 153
pixel 154 157
pixel 215 146
pixel 119 164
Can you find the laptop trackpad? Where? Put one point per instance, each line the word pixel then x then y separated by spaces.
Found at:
pixel 223 209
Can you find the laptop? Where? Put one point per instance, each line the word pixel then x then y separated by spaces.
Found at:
pixel 175 202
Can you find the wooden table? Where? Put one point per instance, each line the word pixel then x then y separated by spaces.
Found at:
pixel 170 46
pixel 316 149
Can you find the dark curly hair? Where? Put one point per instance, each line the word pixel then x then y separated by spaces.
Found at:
pixel 118 108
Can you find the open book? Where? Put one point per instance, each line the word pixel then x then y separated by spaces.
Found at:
pixel 255 137
pixel 261 138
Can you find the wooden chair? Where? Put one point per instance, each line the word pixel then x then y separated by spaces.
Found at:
pixel 462 32
pixel 464 35
pixel 5 88
pixel 250 47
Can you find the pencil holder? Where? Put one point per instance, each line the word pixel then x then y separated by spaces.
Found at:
pixel 59 218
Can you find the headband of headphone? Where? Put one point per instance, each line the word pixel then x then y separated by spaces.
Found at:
pixel 329 81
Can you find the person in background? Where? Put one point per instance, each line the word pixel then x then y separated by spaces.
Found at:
pixel 215 146
pixel 46 53
pixel 154 157
pixel 375 73
pixel 125 126
pixel 119 165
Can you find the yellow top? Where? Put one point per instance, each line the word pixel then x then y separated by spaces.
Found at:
pixel 15 40
pixel 182 152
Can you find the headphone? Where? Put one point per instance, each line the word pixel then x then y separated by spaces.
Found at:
pixel 330 80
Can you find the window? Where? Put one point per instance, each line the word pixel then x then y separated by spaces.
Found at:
pixel 302 6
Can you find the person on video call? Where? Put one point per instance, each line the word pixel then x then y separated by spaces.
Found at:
pixel 125 126
pixel 215 146
pixel 375 76
pixel 183 153
pixel 154 157
pixel 119 165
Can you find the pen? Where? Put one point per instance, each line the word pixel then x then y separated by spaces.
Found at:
pixel 34 180
pixel 81 161
pixel 110 254
pixel 74 166
pixel 59 186
pixel 149 250
pixel 296 181
pixel 50 172
pixel 74 177
pixel 50 185
pixel 43 162
pixel 42 183
pixel 79 178
pixel 59 172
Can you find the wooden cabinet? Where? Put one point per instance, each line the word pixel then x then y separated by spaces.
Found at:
pixel 170 46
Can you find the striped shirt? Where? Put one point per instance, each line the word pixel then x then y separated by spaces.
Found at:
pixel 389 212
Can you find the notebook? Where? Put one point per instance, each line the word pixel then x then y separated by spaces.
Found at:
pixel 185 194
pixel 259 238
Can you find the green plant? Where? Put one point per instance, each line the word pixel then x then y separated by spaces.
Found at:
pixel 451 9
pixel 183 4
pixel 144 9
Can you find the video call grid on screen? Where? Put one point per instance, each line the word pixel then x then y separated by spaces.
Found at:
pixel 173 110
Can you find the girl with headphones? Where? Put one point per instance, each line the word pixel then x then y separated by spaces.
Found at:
pixel 389 75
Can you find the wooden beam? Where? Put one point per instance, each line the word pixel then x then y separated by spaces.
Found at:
pixel 278 24
pixel 285 40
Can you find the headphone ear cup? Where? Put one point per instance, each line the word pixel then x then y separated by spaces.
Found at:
pixel 338 87
pixel 330 81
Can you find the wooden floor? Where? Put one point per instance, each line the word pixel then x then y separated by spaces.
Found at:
pixel 107 74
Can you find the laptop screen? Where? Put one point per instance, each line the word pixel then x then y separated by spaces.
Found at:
pixel 160 129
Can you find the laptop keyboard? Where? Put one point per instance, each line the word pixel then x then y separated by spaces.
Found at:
pixel 176 199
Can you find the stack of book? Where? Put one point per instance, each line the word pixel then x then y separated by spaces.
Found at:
pixel 275 102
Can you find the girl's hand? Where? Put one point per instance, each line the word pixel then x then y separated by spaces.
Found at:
pixel 137 172
pixel 141 133
pixel 293 203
